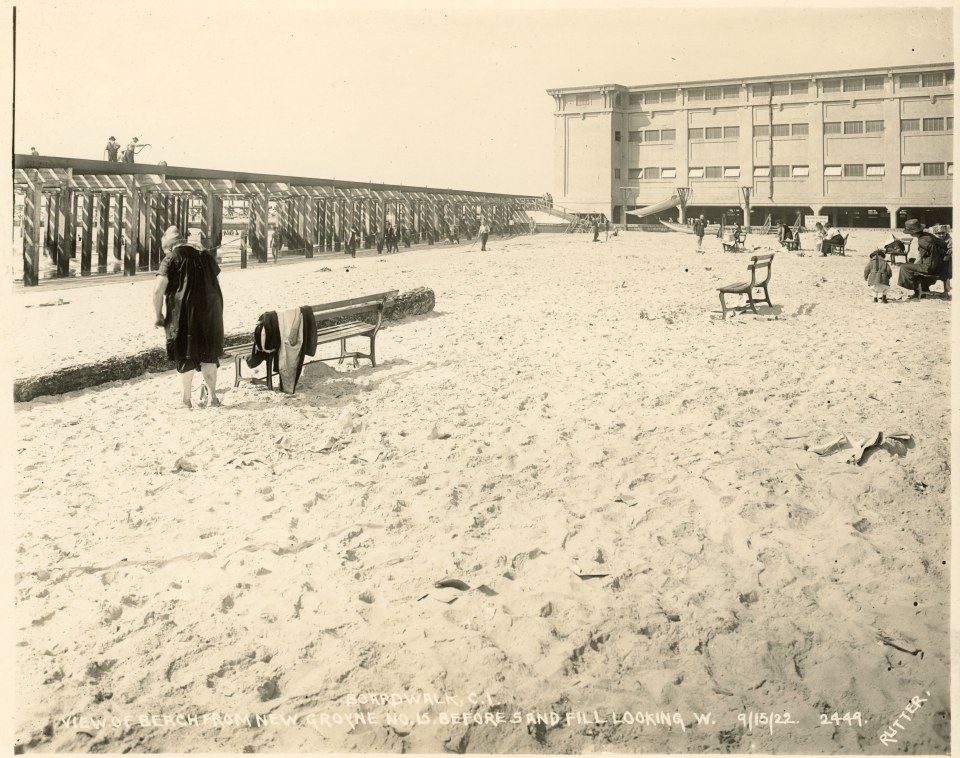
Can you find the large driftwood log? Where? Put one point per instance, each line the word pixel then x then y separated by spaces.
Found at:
pixel 415 302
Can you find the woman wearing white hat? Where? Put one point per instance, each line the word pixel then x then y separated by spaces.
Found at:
pixel 187 285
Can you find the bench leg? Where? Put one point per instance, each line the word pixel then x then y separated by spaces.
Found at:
pixel 236 370
pixel 750 303
pixel 270 359
pixel 373 350
pixel 343 350
pixel 723 306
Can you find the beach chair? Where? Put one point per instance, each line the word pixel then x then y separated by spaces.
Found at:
pixel 893 255
pixel 838 248
pixel 759 268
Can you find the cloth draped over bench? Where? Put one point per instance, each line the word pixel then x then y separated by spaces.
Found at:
pixel 283 339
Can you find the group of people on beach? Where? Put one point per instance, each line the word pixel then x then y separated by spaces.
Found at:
pixel 934 261
pixel 114 155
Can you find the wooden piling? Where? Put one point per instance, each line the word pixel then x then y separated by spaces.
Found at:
pixel 65 231
pixel 86 244
pixel 32 216
pixel 103 228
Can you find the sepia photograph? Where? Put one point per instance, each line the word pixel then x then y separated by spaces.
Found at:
pixel 490 378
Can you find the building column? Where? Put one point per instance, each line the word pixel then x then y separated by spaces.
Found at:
pixel 207 201
pixel 65 231
pixel 892 210
pixel 31 229
pixel 86 245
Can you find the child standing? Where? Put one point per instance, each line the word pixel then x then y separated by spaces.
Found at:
pixel 878 273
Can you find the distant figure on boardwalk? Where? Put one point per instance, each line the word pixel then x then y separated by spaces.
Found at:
pixel 132 149
pixel 484 233
pixel 112 150
pixel 33 151
pixel 699 227
pixel 931 253
pixel 877 275
pixel 276 244
pixel 187 286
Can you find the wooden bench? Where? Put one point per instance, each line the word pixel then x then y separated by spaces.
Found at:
pixel 893 255
pixel 759 266
pixel 335 333
pixel 838 248
pixel 734 246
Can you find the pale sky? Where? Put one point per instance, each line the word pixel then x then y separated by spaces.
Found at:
pixel 428 94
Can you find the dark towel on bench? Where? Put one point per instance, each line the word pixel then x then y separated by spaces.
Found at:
pixel 266 339
pixel 309 331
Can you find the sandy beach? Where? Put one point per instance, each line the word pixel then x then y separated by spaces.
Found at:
pixel 617 487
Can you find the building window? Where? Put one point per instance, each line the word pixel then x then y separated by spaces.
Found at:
pixel 853 169
pixel 634 173
pixel 949 123
pixel 731 132
pixel 933 125
pixel 933 80
pixel 761 171
pixel 616 100
pixel 831 85
pixel 781 88
pixel 910 169
pixel 934 169
pixel 636 99
pixel 695 173
pixel 949 169
pixel 651 135
pixel 873 127
pixel 668 96
pixel 713 172
pixel 949 79
pixel 616 173
pixel 833 170
pixel 668 135
pixel 801 171
pixel 636 136
pixel 713 132
pixel 781 171
pixel 853 85
pixel 731 93
pixel 876 170
pixel 873 83
pixel 616 136
pixel 800 130
pixel 761 130
pixel 668 173
pixel 798 88
pixel 910 125
pixel 713 93
pixel 695 94
pixel 651 98
pixel 853 127
pixel 651 173
pixel 731 172
pixel 696 134
pixel 781 130
pixel 760 90
pixel 583 99
pixel 909 81
pixel 831 127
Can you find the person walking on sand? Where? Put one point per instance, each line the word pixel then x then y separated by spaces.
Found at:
pixel 596 230
pixel 112 150
pixel 606 229
pixel 699 227
pixel 276 244
pixel 878 274
pixel 484 233
pixel 188 291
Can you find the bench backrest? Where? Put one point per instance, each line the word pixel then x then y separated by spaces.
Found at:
pixel 353 305
pixel 762 264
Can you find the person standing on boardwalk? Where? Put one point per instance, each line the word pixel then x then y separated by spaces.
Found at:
pixel 699 227
pixel 188 305
pixel 484 233
pixel 112 150
pixel 34 151
pixel 132 149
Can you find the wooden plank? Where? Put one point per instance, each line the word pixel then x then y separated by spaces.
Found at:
pixel 374 298
pixel 87 232
pixel 31 229
pixel 65 232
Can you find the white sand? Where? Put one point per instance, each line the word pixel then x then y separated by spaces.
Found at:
pixel 490 446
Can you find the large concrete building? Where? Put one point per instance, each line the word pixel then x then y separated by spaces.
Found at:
pixel 869 147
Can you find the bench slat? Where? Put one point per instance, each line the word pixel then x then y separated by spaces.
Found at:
pixel 355 300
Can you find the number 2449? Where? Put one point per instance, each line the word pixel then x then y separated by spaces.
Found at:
pixel 847 718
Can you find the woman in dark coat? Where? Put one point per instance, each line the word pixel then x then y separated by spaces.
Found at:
pixel 188 290
pixel 930 254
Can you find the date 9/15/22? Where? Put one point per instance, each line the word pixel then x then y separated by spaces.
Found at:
pixel 769 720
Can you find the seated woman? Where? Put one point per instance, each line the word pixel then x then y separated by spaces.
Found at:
pixel 941 232
pixel 831 236
pixel 929 266
pixel 785 236
pixel 738 235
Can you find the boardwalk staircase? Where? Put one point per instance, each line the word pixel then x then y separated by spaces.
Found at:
pixel 549 217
